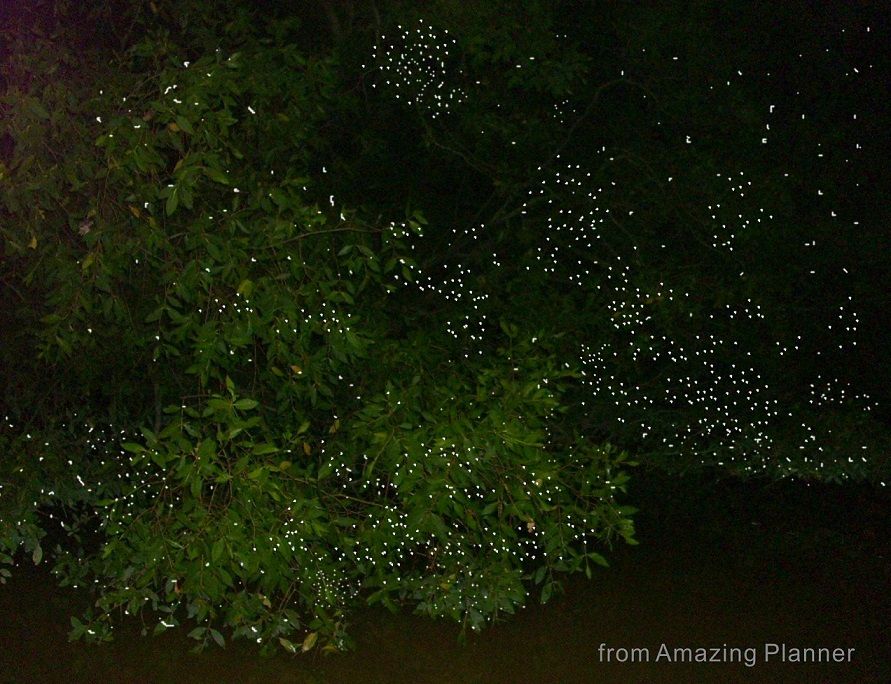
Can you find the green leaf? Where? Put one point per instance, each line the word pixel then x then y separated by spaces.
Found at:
pixel 218 638
pixel 217 404
pixel 546 592
pixel 326 469
pixel 216 175
pixel 246 404
pixel 597 558
pixel 289 645
pixel 150 436
pixel 309 641
pixel 184 124
pixel 539 574
pixel 246 287
pixel 207 449
pixel 37 555
pixel 216 550
pixel 172 202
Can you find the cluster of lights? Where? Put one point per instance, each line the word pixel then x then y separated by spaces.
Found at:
pixel 730 408
pixel 729 220
pixel 414 66
pixel 712 379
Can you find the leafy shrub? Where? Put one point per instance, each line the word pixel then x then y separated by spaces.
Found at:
pixel 248 442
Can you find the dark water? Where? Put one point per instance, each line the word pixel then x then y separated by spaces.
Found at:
pixel 741 566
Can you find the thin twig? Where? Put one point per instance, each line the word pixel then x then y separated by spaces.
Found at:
pixel 352 229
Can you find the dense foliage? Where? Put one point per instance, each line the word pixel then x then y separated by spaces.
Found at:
pixel 297 449
pixel 303 321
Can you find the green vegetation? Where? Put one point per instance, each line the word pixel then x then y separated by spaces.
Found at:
pixel 283 333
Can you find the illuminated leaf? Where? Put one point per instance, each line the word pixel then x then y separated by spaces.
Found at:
pixel 309 641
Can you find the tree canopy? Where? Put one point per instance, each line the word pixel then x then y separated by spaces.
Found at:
pixel 379 303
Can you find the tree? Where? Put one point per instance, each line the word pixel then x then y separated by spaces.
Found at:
pixel 238 423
